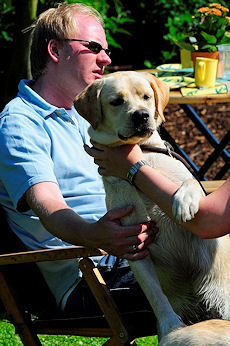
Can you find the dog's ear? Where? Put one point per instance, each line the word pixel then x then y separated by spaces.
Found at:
pixel 88 103
pixel 161 92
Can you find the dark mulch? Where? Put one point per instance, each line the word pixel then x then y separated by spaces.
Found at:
pixel 191 140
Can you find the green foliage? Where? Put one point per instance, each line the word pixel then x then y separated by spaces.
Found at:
pixel 114 17
pixel 174 25
pixel 113 23
pixel 169 18
pixel 174 20
pixel 6 12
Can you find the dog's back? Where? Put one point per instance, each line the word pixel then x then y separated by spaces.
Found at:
pixel 207 333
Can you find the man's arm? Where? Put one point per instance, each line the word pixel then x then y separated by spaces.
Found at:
pixel 46 200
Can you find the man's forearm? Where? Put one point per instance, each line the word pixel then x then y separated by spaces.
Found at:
pixel 56 216
pixel 67 225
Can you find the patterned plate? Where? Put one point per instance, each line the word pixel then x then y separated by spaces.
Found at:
pixel 169 67
pixel 175 82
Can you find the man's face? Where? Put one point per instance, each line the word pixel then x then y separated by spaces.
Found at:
pixel 81 66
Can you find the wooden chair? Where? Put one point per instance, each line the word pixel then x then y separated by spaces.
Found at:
pixel 21 286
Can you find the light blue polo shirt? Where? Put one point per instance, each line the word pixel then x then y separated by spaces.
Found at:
pixel 40 142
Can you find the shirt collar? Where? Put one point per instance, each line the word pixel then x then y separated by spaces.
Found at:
pixel 29 96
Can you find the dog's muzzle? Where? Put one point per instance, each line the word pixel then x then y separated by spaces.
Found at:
pixel 140 118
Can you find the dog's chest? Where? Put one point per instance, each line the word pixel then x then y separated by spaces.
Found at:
pixel 120 193
pixel 168 166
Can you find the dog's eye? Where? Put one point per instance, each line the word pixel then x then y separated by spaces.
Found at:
pixel 117 102
pixel 146 97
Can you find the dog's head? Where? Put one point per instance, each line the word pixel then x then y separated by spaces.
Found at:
pixel 124 107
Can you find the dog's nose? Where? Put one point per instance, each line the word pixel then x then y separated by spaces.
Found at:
pixel 140 117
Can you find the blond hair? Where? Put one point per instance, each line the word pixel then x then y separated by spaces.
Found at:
pixel 55 23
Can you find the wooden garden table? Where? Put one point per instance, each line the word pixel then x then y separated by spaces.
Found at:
pixel 185 103
pixel 177 98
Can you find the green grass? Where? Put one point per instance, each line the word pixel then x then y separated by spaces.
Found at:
pixel 9 338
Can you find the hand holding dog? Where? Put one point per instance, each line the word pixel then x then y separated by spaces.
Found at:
pixel 118 240
pixel 115 161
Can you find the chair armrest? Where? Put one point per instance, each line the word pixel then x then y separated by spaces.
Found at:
pixel 49 255
pixel 212 185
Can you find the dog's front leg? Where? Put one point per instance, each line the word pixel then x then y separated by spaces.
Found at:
pixel 118 193
pixel 146 276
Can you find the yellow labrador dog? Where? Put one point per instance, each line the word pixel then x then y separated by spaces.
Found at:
pixel 184 277
pixel 211 332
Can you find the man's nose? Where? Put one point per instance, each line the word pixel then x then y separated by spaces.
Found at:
pixel 103 58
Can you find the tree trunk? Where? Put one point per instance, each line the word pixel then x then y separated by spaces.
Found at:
pixel 25 14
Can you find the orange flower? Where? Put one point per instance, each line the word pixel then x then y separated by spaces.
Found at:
pixel 218 6
pixel 228 18
pixel 203 9
pixel 217 12
pixel 215 5
pixel 224 9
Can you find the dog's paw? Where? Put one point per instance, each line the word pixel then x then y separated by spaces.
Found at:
pixel 186 201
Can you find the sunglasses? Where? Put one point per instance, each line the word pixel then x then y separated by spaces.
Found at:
pixel 95 47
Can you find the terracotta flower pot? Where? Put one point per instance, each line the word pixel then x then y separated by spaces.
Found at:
pixel 210 55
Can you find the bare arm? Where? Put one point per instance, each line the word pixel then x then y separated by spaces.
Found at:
pixel 46 200
pixel 213 217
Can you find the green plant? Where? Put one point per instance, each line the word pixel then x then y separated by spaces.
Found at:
pixel 6 9
pixel 114 17
pixel 208 30
pixel 174 15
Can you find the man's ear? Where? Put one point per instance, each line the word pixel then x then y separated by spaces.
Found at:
pixel 161 92
pixel 88 103
pixel 53 50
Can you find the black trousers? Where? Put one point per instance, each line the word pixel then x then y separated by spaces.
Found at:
pixel 123 286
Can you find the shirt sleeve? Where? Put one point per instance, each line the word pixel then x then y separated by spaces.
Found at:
pixel 25 155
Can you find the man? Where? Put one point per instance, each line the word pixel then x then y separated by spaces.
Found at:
pixel 49 186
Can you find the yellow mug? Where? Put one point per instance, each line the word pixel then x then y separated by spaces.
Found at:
pixel 205 72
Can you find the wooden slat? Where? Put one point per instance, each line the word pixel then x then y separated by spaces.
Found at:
pixel 104 299
pixel 212 185
pixel 49 255
pixel 87 332
pixel 27 335
pixel 176 97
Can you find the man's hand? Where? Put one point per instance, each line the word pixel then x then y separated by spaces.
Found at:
pixel 118 240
